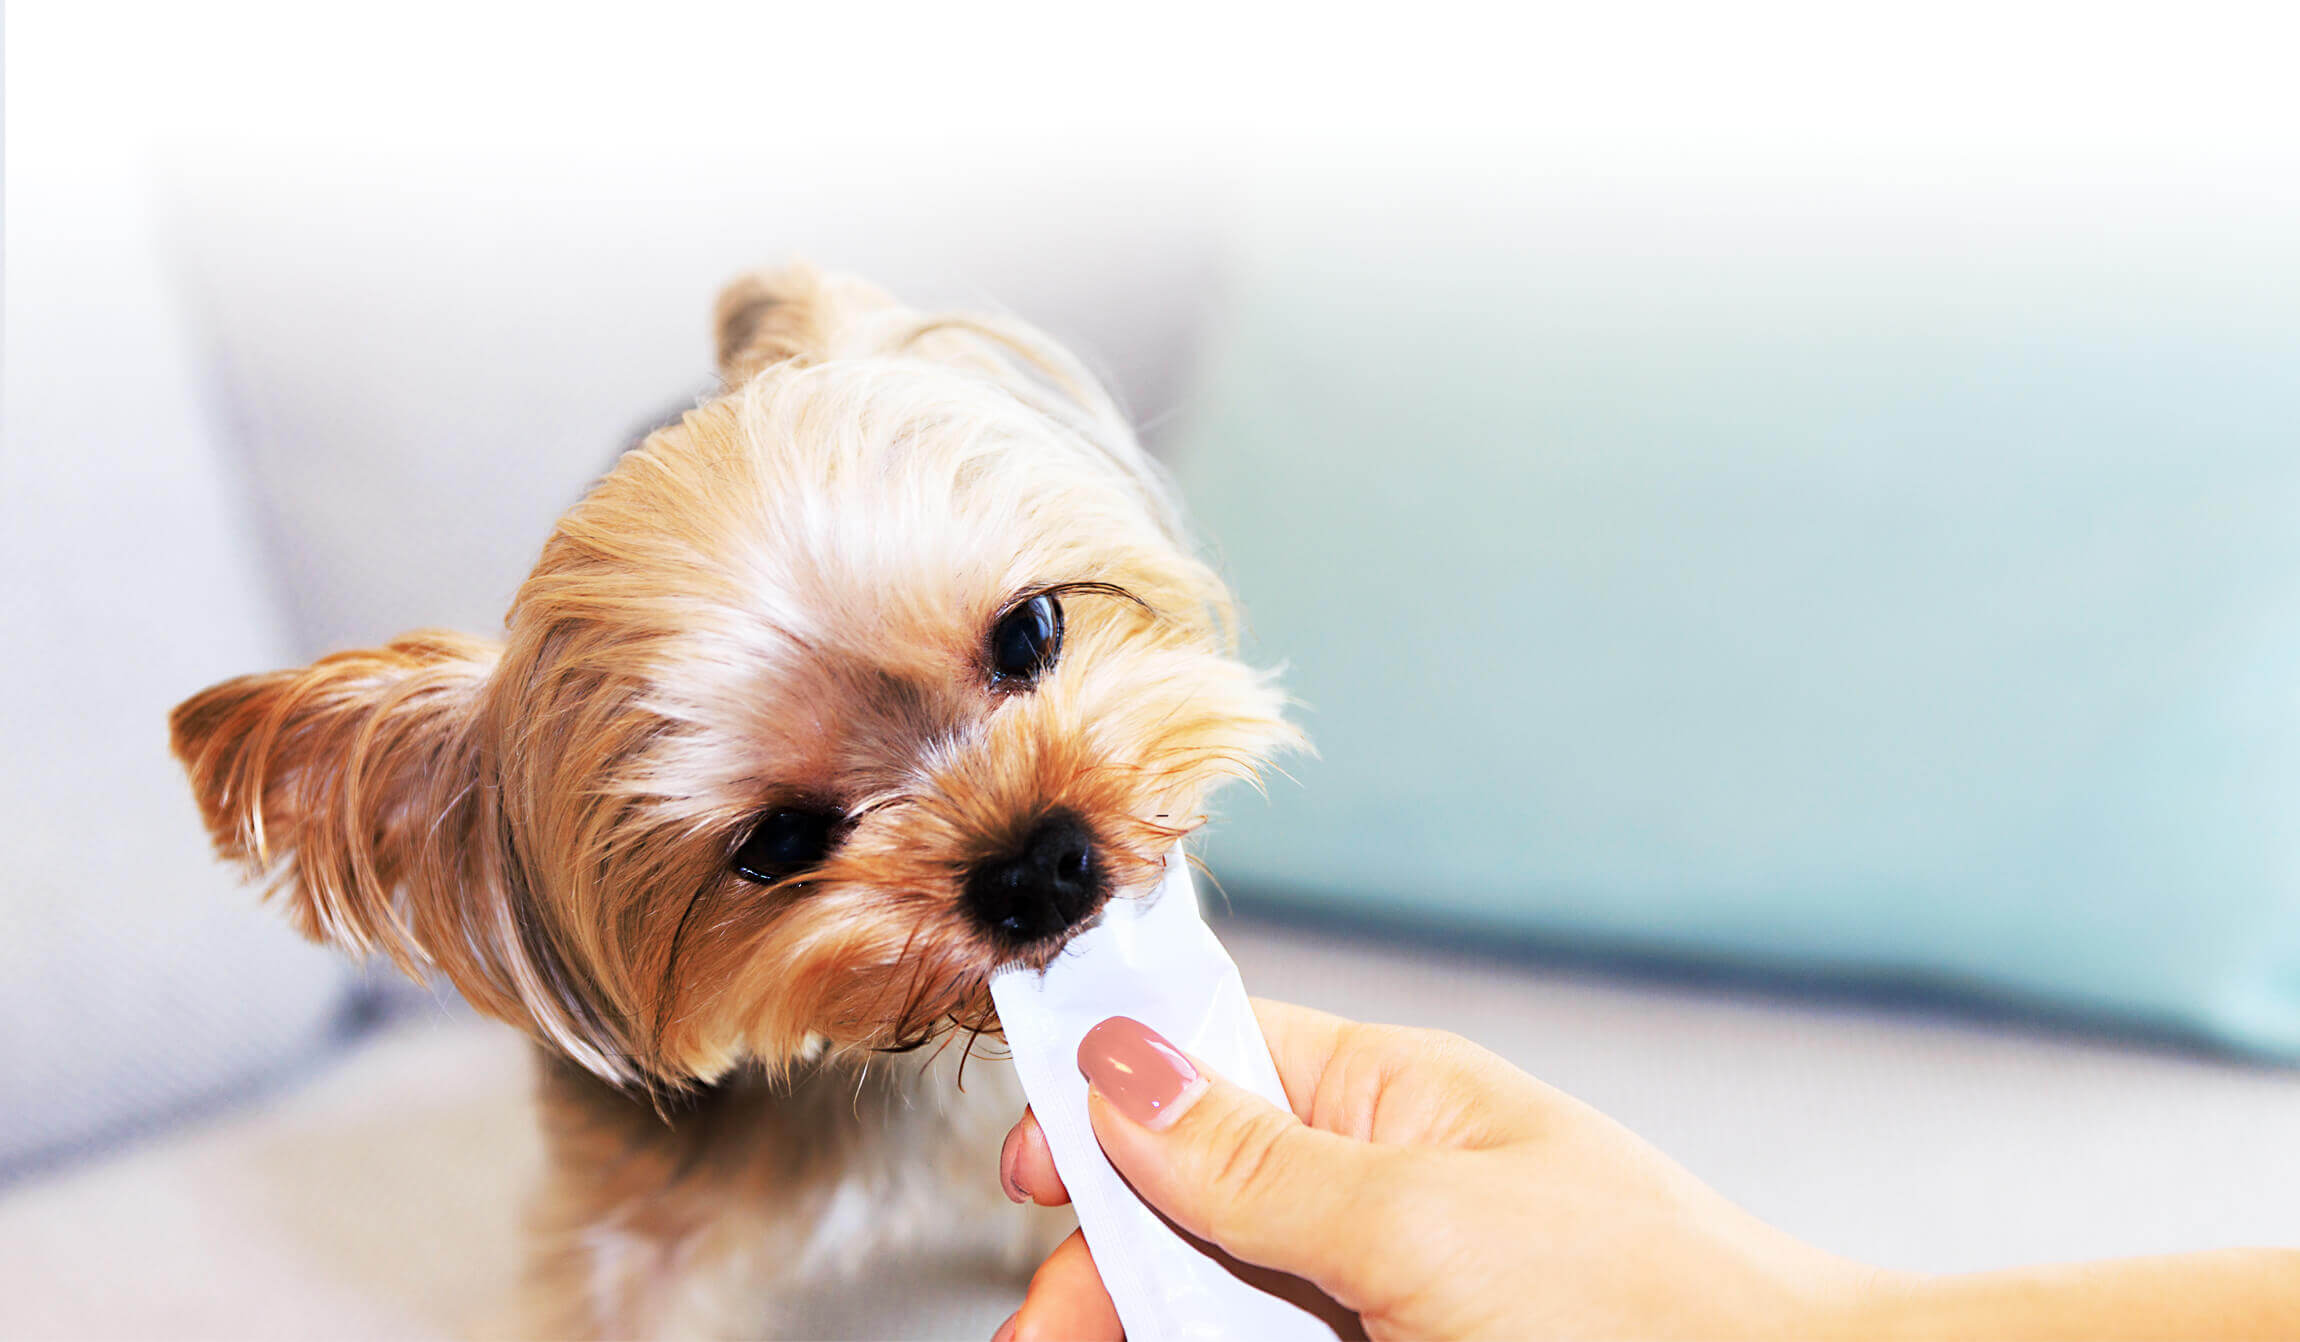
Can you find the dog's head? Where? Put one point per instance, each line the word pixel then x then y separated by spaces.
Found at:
pixel 884 668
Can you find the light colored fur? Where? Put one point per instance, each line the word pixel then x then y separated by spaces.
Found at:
pixel 784 597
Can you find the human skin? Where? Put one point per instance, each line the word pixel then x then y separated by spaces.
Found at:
pixel 1436 1191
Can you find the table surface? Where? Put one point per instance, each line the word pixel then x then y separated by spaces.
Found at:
pixel 381 1197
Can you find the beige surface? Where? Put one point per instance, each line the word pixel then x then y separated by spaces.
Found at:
pixel 380 1199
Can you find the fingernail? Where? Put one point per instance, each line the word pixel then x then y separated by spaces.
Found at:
pixel 1009 1166
pixel 1005 1331
pixel 1144 1077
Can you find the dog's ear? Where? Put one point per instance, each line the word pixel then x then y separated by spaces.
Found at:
pixel 346 781
pixel 358 786
pixel 768 317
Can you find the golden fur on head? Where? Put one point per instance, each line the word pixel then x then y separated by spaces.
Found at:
pixel 785 597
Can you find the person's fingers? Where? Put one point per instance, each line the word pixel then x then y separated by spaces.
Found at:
pixel 1066 1301
pixel 1392 1083
pixel 1231 1168
pixel 1302 1043
pixel 1026 1166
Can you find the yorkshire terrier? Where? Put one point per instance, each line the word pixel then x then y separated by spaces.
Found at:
pixel 880 670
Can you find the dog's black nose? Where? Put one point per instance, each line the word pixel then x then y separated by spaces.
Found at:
pixel 1042 888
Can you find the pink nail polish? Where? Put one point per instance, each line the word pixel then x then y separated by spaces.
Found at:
pixel 1005 1331
pixel 1132 1066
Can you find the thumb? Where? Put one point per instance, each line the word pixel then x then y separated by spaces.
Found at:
pixel 1231 1168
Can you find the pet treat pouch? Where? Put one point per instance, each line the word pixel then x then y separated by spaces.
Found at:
pixel 1153 959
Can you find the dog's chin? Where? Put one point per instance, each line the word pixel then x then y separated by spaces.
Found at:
pixel 969 1013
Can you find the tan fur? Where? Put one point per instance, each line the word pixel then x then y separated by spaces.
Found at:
pixel 783 598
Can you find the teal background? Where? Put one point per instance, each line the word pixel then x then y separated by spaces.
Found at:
pixel 1908 608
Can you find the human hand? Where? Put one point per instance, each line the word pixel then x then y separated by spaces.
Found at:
pixel 1424 1184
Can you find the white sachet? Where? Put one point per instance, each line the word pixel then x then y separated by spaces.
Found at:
pixel 1153 959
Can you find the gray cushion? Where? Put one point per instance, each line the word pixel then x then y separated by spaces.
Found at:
pixel 136 978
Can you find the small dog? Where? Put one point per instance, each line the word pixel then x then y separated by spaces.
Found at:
pixel 880 670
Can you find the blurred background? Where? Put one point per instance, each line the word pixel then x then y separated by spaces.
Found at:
pixel 1782 522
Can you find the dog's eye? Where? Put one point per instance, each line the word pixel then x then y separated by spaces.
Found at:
pixel 1026 640
pixel 785 842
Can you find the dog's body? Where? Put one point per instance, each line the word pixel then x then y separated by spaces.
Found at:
pixel 692 1223
pixel 882 669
